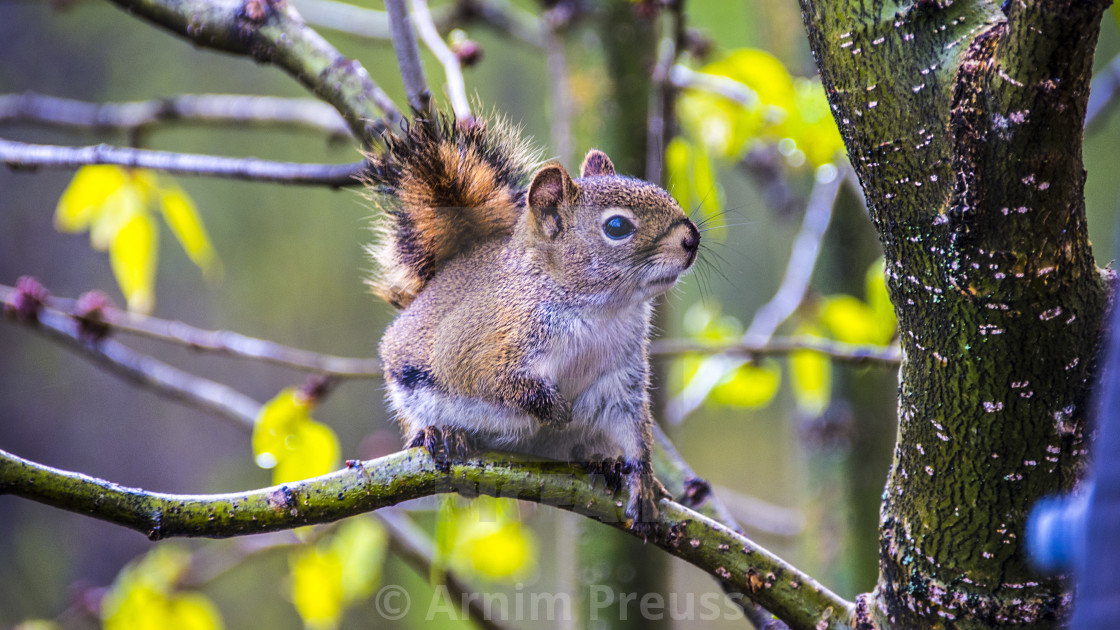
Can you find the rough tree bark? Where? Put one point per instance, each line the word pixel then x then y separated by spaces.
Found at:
pixel 964 120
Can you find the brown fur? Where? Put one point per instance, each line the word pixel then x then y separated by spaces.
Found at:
pixel 442 189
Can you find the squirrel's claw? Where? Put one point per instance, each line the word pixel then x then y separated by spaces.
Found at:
pixel 444 444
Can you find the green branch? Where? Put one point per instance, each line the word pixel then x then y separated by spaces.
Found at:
pixel 364 486
pixel 271 31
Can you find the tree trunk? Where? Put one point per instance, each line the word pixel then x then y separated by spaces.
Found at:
pixel 964 123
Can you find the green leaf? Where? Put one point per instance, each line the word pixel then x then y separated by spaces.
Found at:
pixel 317 590
pixel 88 191
pixel 751 386
pixel 182 217
pixel 133 255
pixel 810 377
pixel 286 439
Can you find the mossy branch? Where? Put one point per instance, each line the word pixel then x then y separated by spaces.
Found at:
pixel 271 31
pixel 365 486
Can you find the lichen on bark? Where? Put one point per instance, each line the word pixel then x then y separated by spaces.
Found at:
pixel 963 120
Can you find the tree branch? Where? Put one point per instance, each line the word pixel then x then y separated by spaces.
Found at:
pixel 22 155
pixel 769 580
pixel 134 367
pixel 217 341
pixel 221 109
pixel 795 282
pixel 882 356
pixel 456 88
pixel 408 56
pixel 273 32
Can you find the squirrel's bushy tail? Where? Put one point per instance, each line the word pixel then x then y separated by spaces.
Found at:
pixel 442 188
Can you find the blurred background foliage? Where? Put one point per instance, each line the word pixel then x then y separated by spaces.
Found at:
pixel 798 447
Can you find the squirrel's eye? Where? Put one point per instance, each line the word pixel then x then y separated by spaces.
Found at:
pixel 618 227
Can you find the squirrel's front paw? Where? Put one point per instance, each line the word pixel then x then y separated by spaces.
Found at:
pixel 645 490
pixel 444 444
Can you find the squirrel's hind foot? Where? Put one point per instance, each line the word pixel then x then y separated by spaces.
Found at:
pixel 645 491
pixel 444 444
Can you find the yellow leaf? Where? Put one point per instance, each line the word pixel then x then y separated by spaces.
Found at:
pixel 191 611
pixel 752 386
pixel 286 439
pixel 133 255
pixel 810 378
pixel 875 288
pixel 277 420
pixel 182 217
pixel 813 129
pixel 317 587
pixel 360 543
pixel 678 157
pixel 850 320
pixel 37 624
pixel 312 450
pixel 86 194
pixel 707 196
pixel 143 597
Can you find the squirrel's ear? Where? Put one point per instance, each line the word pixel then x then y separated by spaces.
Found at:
pixel 596 163
pixel 551 189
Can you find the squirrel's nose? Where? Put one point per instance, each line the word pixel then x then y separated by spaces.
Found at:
pixel 691 243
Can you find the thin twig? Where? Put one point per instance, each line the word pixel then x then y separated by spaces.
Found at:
pixel 365 486
pixel 456 87
pixel 683 77
pixel 408 56
pixel 219 109
pixel 661 122
pixel 503 16
pixel 145 371
pixel 346 18
pixel 885 356
pixel 795 283
pixel 274 32
pixel 411 544
pixel 559 93
pixel 217 341
pixel 22 155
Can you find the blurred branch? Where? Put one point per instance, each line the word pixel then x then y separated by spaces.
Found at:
pixel 1103 93
pixel 217 341
pixel 661 121
pixel 456 88
pixel 559 89
pixel 885 356
pixel 408 56
pixel 795 283
pixel 364 486
pixel 412 545
pixel 694 492
pixel 222 109
pixel 362 22
pixel 21 155
pixel 503 16
pixel 683 77
pixel 128 364
pixel 273 32
pixel 346 18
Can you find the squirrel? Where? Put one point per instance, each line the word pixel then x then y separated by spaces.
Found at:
pixel 526 300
